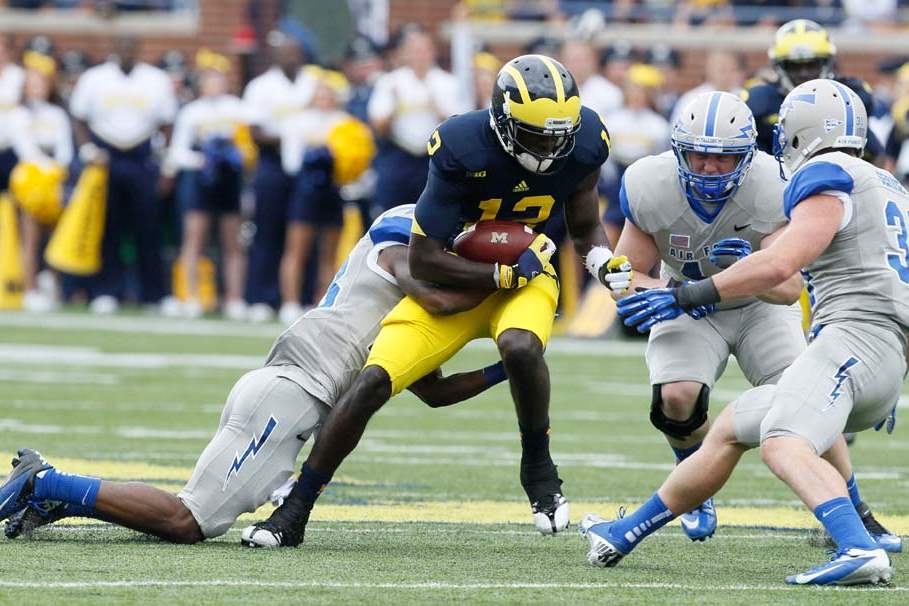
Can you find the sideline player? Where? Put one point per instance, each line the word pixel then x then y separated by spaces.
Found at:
pixel 270 412
pixel 801 51
pixel 535 151
pixel 848 233
pixel 697 210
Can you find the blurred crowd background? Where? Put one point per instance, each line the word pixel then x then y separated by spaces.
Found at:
pixel 197 157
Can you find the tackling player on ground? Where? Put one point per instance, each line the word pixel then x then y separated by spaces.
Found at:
pixel 270 412
pixel 848 233
pixel 536 152
pixel 696 210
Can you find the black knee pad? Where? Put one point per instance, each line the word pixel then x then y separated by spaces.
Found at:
pixel 680 430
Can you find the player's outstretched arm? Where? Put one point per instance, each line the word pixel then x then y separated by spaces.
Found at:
pixel 643 255
pixel 787 292
pixel 434 299
pixel 430 262
pixel 437 390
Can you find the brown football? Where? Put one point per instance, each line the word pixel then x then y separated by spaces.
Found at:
pixel 494 241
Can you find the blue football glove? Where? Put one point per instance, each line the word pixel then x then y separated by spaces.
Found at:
pixel 726 252
pixel 889 422
pixel 647 308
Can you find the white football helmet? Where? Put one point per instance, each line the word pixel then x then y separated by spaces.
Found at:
pixel 817 115
pixel 713 123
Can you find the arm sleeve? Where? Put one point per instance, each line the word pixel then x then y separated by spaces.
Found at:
pixel 181 152
pixel 252 108
pixel 63 146
pixel 438 211
pixel 167 104
pixel 815 178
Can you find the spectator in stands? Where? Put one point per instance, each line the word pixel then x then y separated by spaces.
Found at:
pixel 362 67
pixel 597 93
pixel 635 130
pixel 12 79
pixel 475 69
pixel 73 64
pixel 898 141
pixel 862 14
pixel 407 104
pixel 43 140
pixel 118 107
pixel 204 149
pixel 616 59
pixel 668 61
pixel 270 99
pixel 723 70
pixel 174 63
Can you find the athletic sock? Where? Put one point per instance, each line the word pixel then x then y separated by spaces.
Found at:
pixel 69 488
pixel 843 523
pixel 312 482
pixel 539 475
pixel 854 496
pixel 627 532
pixel 683 453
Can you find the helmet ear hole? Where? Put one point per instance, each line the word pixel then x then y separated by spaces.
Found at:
pixel 795 142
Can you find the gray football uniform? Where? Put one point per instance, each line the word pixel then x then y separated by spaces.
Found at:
pixel 850 376
pixel 273 410
pixel 764 338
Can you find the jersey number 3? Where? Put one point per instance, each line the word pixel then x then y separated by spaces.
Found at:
pixel 898 262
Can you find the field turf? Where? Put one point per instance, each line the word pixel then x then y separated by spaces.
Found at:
pixel 427 509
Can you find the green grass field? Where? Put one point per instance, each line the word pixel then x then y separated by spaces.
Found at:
pixel 428 509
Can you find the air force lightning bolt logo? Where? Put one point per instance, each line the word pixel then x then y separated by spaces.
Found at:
pixel 840 377
pixel 255 445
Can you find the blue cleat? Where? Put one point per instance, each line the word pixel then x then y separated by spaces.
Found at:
pixel 19 484
pixel 604 552
pixel 700 523
pixel 849 567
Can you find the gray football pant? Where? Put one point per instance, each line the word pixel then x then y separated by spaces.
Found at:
pixel 265 422
pixel 848 379
pixel 764 338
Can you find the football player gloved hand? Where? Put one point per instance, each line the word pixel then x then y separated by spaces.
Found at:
pixel 650 307
pixel 889 422
pixel 616 275
pixel 530 264
pixel 726 252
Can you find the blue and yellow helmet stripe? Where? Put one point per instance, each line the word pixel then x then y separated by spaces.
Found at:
pixel 541 94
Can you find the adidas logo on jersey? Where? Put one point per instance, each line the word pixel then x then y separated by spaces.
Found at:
pixel 522 186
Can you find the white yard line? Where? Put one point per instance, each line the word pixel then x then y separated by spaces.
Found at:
pixel 423 585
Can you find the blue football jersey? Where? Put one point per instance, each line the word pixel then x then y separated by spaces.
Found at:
pixel 472 178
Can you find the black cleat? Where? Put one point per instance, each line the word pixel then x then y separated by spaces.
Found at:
pixel 34 516
pixel 284 528
pixel 551 513
pixel 20 483
pixel 886 540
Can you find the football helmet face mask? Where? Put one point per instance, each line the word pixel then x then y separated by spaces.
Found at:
pixel 817 115
pixel 536 112
pixel 713 123
pixel 801 51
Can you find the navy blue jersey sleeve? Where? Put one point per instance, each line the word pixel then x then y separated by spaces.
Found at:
pixel 813 179
pixel 438 211
pixel 591 146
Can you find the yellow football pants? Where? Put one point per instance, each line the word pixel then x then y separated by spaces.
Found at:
pixel 413 342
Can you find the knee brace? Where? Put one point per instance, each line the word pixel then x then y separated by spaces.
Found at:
pixel 680 430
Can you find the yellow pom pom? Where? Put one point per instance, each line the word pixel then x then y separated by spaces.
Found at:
pixel 39 189
pixel 352 150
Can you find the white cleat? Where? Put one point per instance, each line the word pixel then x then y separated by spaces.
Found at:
pixel 551 513
pixel 849 567
pixel 256 536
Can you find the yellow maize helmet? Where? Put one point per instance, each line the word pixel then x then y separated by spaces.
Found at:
pixel 39 189
pixel 352 149
pixel 801 51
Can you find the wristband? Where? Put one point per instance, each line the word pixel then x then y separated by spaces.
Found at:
pixel 494 374
pixel 695 294
pixel 596 258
